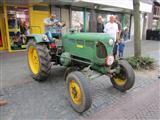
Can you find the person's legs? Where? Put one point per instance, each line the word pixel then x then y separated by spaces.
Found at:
pixel 120 54
pixel 123 46
pixel 115 50
pixel 56 35
pixel 121 50
pixel 49 35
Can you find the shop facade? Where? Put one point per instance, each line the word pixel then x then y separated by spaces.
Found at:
pixel 80 14
pixel 16 21
pixel 76 14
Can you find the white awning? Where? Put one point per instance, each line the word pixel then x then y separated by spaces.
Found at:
pixel 125 4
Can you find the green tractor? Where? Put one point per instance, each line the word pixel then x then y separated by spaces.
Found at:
pixel 86 56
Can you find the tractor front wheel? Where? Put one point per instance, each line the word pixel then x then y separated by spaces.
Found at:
pixel 38 61
pixel 125 79
pixel 78 91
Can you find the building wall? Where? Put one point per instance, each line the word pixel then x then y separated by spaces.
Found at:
pixel 150 18
pixel 37 25
pixel 155 15
pixel 62 14
pixel 65 18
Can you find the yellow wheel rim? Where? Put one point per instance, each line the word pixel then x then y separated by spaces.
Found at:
pixel 75 92
pixel 119 81
pixel 33 59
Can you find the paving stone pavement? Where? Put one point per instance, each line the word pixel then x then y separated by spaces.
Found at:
pixel 140 104
pixel 31 100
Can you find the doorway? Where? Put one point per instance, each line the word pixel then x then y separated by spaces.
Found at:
pixel 37 16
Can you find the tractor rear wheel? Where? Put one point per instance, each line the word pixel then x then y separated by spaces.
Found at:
pixel 38 61
pixel 78 91
pixel 125 79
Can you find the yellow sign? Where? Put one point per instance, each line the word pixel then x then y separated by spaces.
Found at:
pixel 80 46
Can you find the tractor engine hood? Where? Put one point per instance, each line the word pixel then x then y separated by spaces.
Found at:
pixel 102 37
pixel 88 46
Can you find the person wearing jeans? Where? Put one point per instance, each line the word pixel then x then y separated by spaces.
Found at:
pixel 51 25
pixel 111 28
pixel 121 49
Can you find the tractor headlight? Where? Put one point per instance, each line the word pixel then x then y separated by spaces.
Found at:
pixel 109 60
pixel 111 42
pixel 44 37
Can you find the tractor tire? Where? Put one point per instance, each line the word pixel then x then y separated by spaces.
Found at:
pixel 125 79
pixel 78 91
pixel 69 70
pixel 39 61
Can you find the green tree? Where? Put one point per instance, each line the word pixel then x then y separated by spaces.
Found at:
pixel 137 41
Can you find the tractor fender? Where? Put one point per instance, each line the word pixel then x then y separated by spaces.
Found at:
pixel 38 38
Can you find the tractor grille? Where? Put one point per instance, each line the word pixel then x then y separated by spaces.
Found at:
pixel 101 50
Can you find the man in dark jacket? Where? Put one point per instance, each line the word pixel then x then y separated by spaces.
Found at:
pixel 100 25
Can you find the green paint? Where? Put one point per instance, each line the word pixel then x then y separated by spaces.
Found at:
pixel 101 68
pixel 65 59
pixel 84 45
pixel 36 37
pixel 84 20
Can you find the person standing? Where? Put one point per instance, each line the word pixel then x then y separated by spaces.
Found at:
pixel 121 48
pixel 111 28
pixel 24 32
pixel 100 25
pixel 121 44
pixel 117 20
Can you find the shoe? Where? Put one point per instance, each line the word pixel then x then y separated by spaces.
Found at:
pixel 3 102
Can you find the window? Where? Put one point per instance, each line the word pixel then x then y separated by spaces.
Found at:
pixel 18 22
pixel 77 20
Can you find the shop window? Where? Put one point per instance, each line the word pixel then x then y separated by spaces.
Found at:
pixel 87 21
pixel 18 22
pixel 77 20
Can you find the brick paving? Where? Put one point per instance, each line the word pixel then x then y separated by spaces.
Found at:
pixel 30 100
pixel 47 100
pixel 140 104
